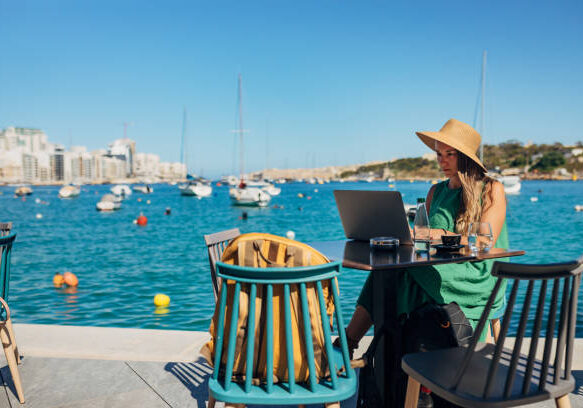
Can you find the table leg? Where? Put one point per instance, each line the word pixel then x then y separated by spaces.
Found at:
pixel 378 320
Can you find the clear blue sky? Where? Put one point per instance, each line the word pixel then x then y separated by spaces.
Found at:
pixel 324 82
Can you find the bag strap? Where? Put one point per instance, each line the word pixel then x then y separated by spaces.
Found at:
pixel 270 263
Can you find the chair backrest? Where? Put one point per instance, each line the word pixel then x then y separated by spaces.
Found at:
pixel 565 279
pixel 5 252
pixel 277 285
pixel 5 228
pixel 216 244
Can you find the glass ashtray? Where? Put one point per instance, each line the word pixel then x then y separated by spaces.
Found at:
pixel 388 243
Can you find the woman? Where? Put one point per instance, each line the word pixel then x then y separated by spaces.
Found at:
pixel 467 195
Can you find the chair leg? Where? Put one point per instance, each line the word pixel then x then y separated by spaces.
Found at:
pixel 13 339
pixel 333 405
pixel 412 397
pixel 496 329
pixel 563 402
pixel 212 402
pixel 11 359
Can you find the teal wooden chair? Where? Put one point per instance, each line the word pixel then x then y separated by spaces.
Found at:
pixel 341 383
pixel 6 331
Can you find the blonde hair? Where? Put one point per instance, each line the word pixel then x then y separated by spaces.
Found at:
pixel 476 193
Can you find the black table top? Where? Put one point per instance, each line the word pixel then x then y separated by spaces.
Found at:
pixel 359 255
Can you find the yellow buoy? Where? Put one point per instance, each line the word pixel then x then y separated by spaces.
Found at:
pixel 161 300
pixel 58 280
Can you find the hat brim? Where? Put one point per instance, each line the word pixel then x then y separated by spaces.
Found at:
pixel 429 139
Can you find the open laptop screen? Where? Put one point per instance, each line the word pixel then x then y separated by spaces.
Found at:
pixel 367 214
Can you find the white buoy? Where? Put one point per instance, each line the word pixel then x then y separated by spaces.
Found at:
pixel 39 216
pixel 579 208
pixel 315 190
pixel 290 234
pixel 534 199
pixel 37 200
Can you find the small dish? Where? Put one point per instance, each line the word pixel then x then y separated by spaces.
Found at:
pixel 448 248
pixel 387 243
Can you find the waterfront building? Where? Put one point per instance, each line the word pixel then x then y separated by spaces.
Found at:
pixel 146 165
pixel 172 171
pixel 124 149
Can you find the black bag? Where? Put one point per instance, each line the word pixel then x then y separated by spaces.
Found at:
pixel 429 327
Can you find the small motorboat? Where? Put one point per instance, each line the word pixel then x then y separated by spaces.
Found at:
pixel 121 190
pixel 109 202
pixel 249 196
pixel 511 184
pixel 147 189
pixel 69 191
pixel 197 188
pixel 23 191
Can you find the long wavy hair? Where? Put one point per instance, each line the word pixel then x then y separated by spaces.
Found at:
pixel 476 194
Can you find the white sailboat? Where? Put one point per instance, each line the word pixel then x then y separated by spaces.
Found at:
pixel 511 183
pixel 245 194
pixel 197 187
pixel 249 196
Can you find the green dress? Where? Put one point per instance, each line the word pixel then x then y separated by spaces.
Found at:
pixel 469 284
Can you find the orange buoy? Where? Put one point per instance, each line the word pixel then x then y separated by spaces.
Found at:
pixel 58 280
pixel 142 220
pixel 70 279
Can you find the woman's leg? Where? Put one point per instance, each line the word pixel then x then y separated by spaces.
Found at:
pixel 359 324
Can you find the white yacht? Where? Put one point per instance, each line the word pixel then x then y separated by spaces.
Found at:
pixel 69 191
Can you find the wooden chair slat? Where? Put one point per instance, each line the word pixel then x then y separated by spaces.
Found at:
pixel 519 338
pixel 549 336
pixel 500 345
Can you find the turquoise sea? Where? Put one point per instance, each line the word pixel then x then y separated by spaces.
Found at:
pixel 121 266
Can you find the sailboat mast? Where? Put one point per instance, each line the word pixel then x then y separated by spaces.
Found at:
pixel 241 155
pixel 482 123
pixel 183 158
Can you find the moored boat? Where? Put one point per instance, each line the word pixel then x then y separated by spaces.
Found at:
pixel 109 202
pixel 121 190
pixel 23 191
pixel 249 196
pixel 511 184
pixel 147 189
pixel 69 191
pixel 197 188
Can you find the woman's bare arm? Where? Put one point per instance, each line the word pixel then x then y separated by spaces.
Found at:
pixel 495 212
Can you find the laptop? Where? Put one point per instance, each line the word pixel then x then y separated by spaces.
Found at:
pixel 366 214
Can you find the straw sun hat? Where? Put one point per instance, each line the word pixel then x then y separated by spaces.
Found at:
pixel 458 135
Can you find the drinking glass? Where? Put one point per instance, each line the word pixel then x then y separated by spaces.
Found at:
pixel 480 237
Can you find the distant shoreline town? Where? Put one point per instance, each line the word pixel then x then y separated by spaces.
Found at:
pixel 27 157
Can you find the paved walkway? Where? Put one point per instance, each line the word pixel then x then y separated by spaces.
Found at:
pixel 90 367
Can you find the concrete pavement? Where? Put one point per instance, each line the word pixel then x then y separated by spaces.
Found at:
pixel 90 367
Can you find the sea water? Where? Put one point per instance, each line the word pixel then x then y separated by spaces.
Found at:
pixel 122 266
